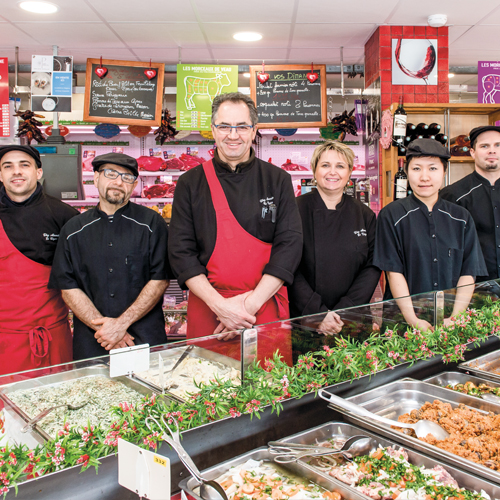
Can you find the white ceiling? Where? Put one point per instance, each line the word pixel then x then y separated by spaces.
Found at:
pixel 200 31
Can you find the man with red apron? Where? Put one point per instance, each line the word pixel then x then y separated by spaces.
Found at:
pixel 34 328
pixel 236 236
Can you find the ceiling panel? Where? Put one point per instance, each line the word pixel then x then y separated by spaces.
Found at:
pixel 470 57
pixel 73 34
pixel 222 11
pixel 330 35
pixel 458 11
pixel 163 55
pixel 326 56
pixel 455 32
pixel 152 10
pixel 69 10
pixel 10 36
pixel 196 55
pixel 487 35
pixel 252 55
pixel 159 35
pixel 344 11
pixel 492 17
pixel 273 34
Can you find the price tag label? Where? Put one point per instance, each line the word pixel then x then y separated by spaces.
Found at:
pixel 128 360
pixel 160 461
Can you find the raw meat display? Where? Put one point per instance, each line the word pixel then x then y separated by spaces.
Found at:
pixel 174 164
pixel 151 163
pixel 293 167
pixel 159 191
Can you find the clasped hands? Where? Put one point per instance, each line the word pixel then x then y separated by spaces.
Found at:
pixel 235 313
pixel 112 333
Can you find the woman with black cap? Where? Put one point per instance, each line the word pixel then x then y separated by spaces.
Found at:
pixel 424 243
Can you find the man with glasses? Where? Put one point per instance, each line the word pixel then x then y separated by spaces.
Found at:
pixel 110 265
pixel 34 328
pixel 235 234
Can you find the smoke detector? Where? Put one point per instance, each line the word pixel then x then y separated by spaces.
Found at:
pixel 437 20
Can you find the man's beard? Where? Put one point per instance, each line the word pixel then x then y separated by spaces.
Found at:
pixel 115 200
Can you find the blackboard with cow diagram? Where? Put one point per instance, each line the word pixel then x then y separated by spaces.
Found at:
pixel 292 96
pixel 123 92
pixel 197 87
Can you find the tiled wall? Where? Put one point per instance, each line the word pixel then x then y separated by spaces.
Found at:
pixel 378 62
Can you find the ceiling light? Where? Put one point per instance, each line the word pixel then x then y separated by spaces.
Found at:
pixel 246 75
pixel 39 7
pixel 247 36
pixel 437 20
pixel 451 75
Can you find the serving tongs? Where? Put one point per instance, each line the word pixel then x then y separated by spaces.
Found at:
pixel 31 423
pixel 209 489
pixel 164 377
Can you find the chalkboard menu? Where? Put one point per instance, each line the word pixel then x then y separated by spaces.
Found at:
pixel 288 99
pixel 125 95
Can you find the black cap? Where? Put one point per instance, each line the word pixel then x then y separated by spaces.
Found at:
pixel 426 147
pixel 29 150
pixel 120 159
pixel 475 132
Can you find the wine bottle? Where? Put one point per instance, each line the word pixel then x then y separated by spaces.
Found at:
pixel 401 150
pixel 400 181
pixel 422 129
pixel 443 139
pixel 399 128
pixel 460 140
pixel 434 128
pixel 410 129
pixel 407 140
pixel 433 137
pixel 459 150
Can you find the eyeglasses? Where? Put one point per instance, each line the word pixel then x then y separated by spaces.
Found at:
pixel 113 174
pixel 240 129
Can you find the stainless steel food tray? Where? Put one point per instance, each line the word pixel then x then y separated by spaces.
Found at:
pixel 340 429
pixel 454 378
pixel 402 396
pixel 190 485
pixel 483 365
pixel 59 378
pixel 170 356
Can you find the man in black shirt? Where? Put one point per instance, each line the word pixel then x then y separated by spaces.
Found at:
pixel 479 193
pixel 110 265
pixel 34 328
pixel 235 234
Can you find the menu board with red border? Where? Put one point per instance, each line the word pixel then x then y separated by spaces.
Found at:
pixel 4 97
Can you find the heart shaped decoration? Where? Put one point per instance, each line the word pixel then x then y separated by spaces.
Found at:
pixel 150 73
pixel 101 71
pixel 263 77
pixel 312 77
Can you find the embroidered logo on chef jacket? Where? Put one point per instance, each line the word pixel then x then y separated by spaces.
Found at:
pixel 361 232
pixel 50 237
pixel 268 208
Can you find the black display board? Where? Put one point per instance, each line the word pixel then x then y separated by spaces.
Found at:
pixel 125 95
pixel 288 99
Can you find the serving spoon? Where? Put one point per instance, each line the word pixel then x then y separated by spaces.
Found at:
pixel 422 428
pixel 31 423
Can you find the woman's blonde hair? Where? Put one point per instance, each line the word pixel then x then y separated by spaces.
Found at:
pixel 345 151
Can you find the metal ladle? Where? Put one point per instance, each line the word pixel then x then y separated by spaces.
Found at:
pixel 422 428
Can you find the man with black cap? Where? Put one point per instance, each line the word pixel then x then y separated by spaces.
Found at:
pixel 479 193
pixel 110 265
pixel 34 328
pixel 424 243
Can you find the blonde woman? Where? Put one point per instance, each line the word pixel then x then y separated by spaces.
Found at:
pixel 336 269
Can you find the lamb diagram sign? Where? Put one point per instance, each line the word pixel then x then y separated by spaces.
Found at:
pixel 197 86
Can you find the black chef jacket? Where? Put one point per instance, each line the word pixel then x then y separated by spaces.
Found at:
pixel 336 269
pixel 33 225
pixel 482 200
pixel 111 259
pixel 431 249
pixel 251 191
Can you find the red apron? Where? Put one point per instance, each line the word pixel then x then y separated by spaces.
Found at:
pixel 34 328
pixel 235 267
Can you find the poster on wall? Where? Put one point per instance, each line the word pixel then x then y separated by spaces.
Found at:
pixel 488 82
pixel 414 61
pixel 4 97
pixel 51 83
pixel 197 86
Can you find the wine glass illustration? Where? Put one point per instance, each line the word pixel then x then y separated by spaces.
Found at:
pixel 412 62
